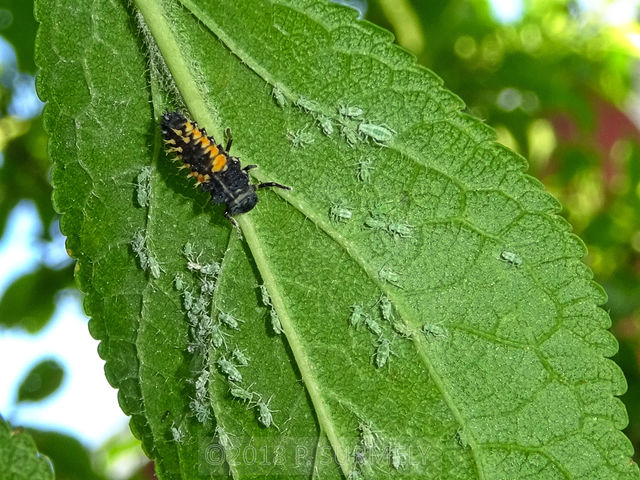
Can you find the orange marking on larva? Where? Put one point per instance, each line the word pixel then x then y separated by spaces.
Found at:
pixel 196 134
pixel 219 162
pixel 212 150
pixel 188 127
pixel 204 141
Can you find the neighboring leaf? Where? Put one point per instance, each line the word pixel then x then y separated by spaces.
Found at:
pixel 41 381
pixel 24 175
pixel 71 460
pixel 19 458
pixel 18 26
pixel 29 302
pixel 477 348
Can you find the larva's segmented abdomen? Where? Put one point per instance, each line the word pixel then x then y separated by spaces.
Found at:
pixel 191 144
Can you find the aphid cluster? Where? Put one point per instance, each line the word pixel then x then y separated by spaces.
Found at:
pixel 395 229
pixel 276 325
pixel 143 187
pixel 217 172
pixel 148 261
pixel 359 316
pixel 203 330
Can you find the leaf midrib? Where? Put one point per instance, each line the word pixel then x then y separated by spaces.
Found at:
pixel 193 97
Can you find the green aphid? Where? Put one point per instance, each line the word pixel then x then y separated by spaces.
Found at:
pixel 350 112
pixel 229 320
pixel 187 300
pixel 326 125
pixel 264 293
pixel 350 133
pixel 433 330
pixel 339 213
pixel 372 325
pixel 179 282
pixel 398 458
pixel 224 438
pixel 265 416
pixel 240 357
pixel 378 133
pixel 154 267
pixel 278 96
pixel 357 316
pixel 143 186
pixel 307 105
pixel 229 369
pixel 511 258
pixel 301 138
pixel 365 167
pixel 276 325
pixel 402 329
pixel 177 434
pixel 386 308
pixel 218 336
pixel 383 351
pixel 388 275
pixel 187 250
pixel 240 393
pixel 376 223
pixel 368 438
pixel 400 230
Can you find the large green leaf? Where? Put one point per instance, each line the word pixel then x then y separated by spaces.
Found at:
pixel 436 318
pixel 19 458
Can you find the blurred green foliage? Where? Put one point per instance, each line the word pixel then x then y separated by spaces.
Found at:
pixel 30 300
pixel 554 83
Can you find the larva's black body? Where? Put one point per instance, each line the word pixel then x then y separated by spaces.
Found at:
pixel 214 169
